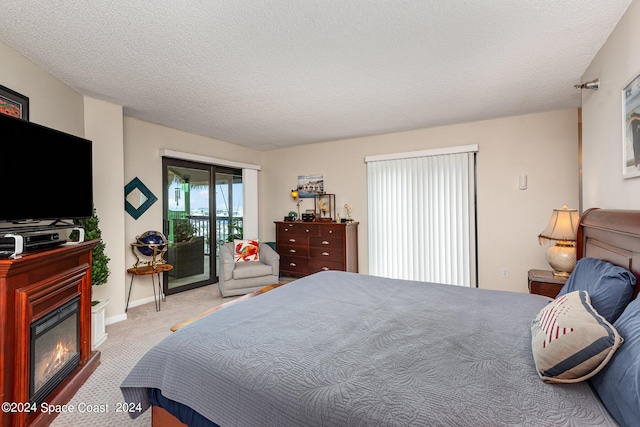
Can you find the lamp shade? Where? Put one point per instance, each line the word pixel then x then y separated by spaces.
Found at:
pixel 563 225
pixel 562 228
pixel 294 194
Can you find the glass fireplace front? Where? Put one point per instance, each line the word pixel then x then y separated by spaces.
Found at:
pixel 55 349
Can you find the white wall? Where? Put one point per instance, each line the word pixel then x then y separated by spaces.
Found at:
pixel 142 144
pixel 51 103
pixel 615 64
pixel 103 126
pixel 543 146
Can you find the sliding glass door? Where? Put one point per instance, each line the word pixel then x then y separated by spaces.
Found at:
pixel 197 221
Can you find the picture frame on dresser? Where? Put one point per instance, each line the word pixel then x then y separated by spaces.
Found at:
pixel 325 207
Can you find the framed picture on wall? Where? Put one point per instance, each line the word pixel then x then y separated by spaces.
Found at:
pixel 631 128
pixel 14 104
pixel 310 185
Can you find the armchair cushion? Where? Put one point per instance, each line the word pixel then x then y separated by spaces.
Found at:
pixel 245 270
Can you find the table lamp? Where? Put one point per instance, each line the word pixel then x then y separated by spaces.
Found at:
pixel 296 197
pixel 562 229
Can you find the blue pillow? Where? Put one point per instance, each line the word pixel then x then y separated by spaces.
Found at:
pixel 610 287
pixel 618 383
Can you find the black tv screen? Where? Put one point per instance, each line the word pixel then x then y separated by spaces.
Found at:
pixel 47 174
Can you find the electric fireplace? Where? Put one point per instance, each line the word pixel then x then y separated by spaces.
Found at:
pixel 45 330
pixel 55 349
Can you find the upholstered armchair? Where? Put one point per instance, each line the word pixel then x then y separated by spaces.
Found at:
pixel 239 278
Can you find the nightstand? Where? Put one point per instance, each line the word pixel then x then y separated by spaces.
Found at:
pixel 543 282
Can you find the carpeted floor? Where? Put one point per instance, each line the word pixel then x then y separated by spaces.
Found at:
pixel 127 341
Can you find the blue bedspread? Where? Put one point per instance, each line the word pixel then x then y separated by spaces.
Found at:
pixel 342 349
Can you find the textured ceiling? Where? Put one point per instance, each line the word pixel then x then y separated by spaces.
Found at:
pixel 276 73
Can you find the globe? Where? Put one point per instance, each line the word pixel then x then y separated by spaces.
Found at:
pixel 150 239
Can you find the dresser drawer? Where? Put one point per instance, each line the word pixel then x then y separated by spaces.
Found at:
pixel 293 250
pixel 332 230
pixel 306 229
pixel 326 242
pixel 294 265
pixel 287 228
pixel 316 265
pixel 332 254
pixel 287 240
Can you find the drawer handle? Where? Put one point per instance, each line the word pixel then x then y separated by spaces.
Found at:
pixel 325 268
pixel 307 230
pixel 324 242
pixel 330 231
pixel 293 251
pixel 286 229
pixel 292 240
pixel 325 253
pixel 292 264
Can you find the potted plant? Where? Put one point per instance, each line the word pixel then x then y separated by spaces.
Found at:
pixel 99 275
pixel 183 230
pixel 235 230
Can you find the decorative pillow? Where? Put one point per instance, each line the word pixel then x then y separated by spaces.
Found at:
pixel 570 340
pixel 618 383
pixel 610 287
pixel 246 250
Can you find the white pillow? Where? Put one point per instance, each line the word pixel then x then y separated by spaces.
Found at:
pixel 570 341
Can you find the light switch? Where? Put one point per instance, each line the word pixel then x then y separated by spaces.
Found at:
pixel 522 182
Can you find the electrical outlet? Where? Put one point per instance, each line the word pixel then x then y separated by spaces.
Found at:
pixel 504 272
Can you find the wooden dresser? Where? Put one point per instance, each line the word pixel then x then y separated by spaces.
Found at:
pixel 309 247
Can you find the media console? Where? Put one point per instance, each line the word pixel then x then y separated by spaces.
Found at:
pixel 16 241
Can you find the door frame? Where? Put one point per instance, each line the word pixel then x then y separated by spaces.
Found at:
pixel 213 170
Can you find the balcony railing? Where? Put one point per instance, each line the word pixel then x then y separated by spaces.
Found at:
pixel 202 226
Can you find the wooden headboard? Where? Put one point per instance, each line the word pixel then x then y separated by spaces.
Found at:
pixel 611 235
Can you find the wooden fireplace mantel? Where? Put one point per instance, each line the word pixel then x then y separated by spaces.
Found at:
pixel 30 287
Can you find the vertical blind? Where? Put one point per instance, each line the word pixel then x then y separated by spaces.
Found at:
pixel 421 214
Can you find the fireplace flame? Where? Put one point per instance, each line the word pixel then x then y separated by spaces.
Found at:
pixel 58 358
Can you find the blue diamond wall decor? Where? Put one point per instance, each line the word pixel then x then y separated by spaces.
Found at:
pixel 150 198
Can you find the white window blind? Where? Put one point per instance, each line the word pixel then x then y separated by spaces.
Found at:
pixel 421 214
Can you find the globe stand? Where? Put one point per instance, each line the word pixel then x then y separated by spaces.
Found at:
pixel 156 258
pixel 152 244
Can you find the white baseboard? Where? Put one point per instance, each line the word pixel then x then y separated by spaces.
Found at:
pixel 123 316
pixel 142 301
pixel 115 319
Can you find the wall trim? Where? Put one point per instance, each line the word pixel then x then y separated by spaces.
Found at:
pixel 206 159
pixel 471 148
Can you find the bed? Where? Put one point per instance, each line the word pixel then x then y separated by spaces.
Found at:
pixel 344 349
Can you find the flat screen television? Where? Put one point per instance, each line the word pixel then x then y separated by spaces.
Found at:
pixel 47 174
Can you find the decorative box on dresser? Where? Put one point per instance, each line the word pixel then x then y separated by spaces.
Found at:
pixel 309 247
